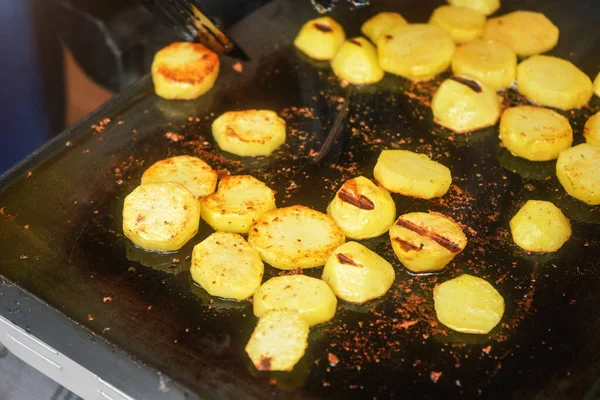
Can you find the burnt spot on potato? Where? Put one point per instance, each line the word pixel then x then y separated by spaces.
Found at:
pixel 356 42
pixel 442 241
pixel 323 27
pixel 474 86
pixel 407 246
pixel 264 364
pixel 349 194
pixel 344 259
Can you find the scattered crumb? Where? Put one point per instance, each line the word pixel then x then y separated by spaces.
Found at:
pixel 333 360
pixel 26 227
pixel 107 299
pixel 487 349
pixel 149 308
pixel 29 174
pixel 435 376
pixel 174 137
pixel 238 67
pixel 90 318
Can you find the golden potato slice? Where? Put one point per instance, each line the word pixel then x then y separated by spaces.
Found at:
pixel 357 63
pixel 161 216
pixel 249 132
pixel 487 61
pixel 362 209
pixel 597 85
pixel 463 24
pixel 540 227
pixel 468 304
pixel 416 51
pixel 464 104
pixel 226 266
pixel 553 82
pixel 425 242
pixel 320 38
pixel 578 170
pixel 356 274
pixel 278 341
pixel 535 133
pixel 591 131
pixel 239 201
pixel 526 32
pixel 311 297
pixel 193 173
pixel 486 7
pixel 184 71
pixel 379 24
pixel 295 237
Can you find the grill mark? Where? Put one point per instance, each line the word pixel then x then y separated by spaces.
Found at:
pixel 356 42
pixel 264 364
pixel 442 241
pixel 407 246
pixel 349 194
pixel 474 86
pixel 344 259
pixel 323 27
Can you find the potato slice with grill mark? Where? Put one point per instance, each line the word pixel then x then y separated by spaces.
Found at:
pixel 591 131
pixel 161 216
pixel 468 304
pixel 357 63
pixel 463 24
pixel 540 227
pixel 226 266
pixel 311 297
pixel 486 7
pixel 379 24
pixel 357 274
pixel 184 70
pixel 425 242
pixel 553 82
pixel 249 132
pixel 578 170
pixel 535 133
pixel 526 32
pixel 239 201
pixel 412 174
pixel 295 237
pixel 278 341
pixel 320 38
pixel 362 209
pixel 193 173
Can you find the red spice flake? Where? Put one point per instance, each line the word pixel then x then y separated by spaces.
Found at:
pixel 29 174
pixel 119 181
pixel 435 376
pixel 273 381
pixel 90 318
pixel 238 67
pixel 174 137
pixel 333 360
pixel 405 324
pixel 471 231
pixel 107 299
pixel 487 349
pixel 573 301
pixel 149 308
pixel 176 260
pixel 295 271
pixel 26 227
pixel 326 384
pixel 344 83
pixel 264 364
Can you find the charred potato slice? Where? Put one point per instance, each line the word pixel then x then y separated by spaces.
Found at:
pixel 239 201
pixel 320 38
pixel 486 7
pixel 535 133
pixel 161 216
pixel 379 24
pixel 278 341
pixel 357 63
pixel 591 131
pixel 578 170
pixel 295 237
pixel 468 304
pixel 311 297
pixel 412 174
pixel 527 33
pixel 249 133
pixel 184 71
pixel 425 242
pixel 463 24
pixel 540 227
pixel 193 173
pixel 416 51
pixel 362 209
pixel 553 82
pixel 226 266
pixel 465 104
pixel 487 61
pixel 356 274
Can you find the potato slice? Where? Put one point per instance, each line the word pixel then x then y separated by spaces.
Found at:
pixel 184 71
pixel 161 216
pixel 535 133
pixel 357 274
pixel 320 38
pixel 553 82
pixel 249 133
pixel 540 227
pixel 489 62
pixel 311 297
pixel 295 237
pixel 526 32
pixel 412 174
pixel 226 266
pixel 425 242
pixel 464 104
pixel 597 85
pixel 578 170
pixel 193 173
pixel 357 63
pixel 278 341
pixel 240 201
pixel 468 304
pixel 486 7
pixel 379 24
pixel 408 51
pixel 362 209
pixel 591 131
pixel 463 24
